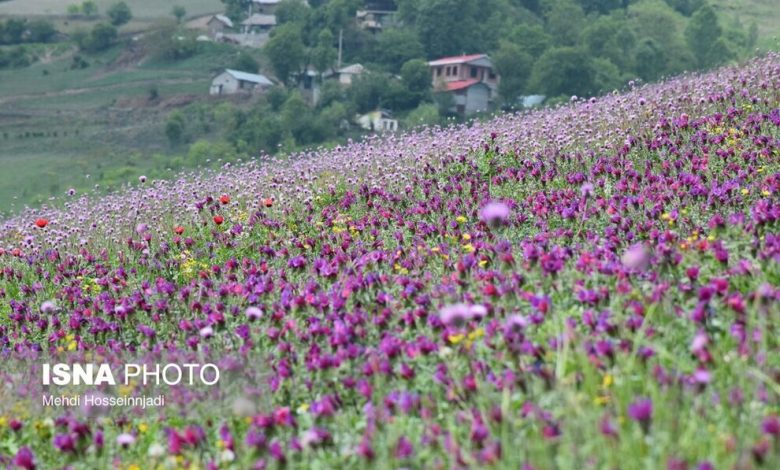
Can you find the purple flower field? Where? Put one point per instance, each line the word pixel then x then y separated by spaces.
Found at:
pixel 591 286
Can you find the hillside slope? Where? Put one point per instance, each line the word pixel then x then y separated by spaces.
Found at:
pixel 592 283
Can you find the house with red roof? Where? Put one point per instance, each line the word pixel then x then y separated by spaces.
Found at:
pixel 470 79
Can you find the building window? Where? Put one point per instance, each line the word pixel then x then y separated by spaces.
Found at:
pixel 474 72
pixel 438 72
pixel 455 70
pixel 492 76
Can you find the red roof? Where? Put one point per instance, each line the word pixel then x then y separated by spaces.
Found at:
pixel 460 84
pixel 460 59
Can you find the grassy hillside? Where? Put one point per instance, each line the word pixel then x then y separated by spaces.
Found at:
pixel 141 8
pixel 765 13
pixel 60 124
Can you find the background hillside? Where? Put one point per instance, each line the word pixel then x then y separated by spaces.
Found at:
pixel 71 117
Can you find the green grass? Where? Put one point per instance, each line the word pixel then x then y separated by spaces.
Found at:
pixel 58 124
pixel 140 8
pixel 765 13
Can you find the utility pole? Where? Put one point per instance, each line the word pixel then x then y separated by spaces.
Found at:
pixel 341 39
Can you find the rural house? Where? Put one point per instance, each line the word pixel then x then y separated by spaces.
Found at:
pixel 218 24
pixel 231 82
pixel 258 24
pixel 468 96
pixel 375 20
pixel 378 121
pixel 470 79
pixel 347 74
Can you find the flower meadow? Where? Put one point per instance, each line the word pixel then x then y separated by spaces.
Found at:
pixel 590 286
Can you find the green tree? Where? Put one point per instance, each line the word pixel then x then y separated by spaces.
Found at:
pixel 602 7
pixel 531 38
pixel 331 92
pixel 562 71
pixel 610 37
pixel 245 62
pixel 650 60
pixel 394 47
pixel 174 127
pixel 340 14
pixel 324 55
pixel 450 27
pixel 119 13
pixel 565 19
pixel 73 10
pixel 686 7
pixel 513 64
pixel 369 91
pixel 416 75
pixel 606 76
pixel 101 37
pixel 41 31
pixel 702 34
pixel 292 11
pixel 426 114
pixel 179 12
pixel 237 10
pixel 89 8
pixel 12 31
pixel 286 51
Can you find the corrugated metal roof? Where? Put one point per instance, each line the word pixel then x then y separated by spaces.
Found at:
pixel 224 19
pixel 352 69
pixel 260 20
pixel 250 77
pixel 461 59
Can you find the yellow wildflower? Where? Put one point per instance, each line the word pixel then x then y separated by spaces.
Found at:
pixel 460 219
pixel 455 339
pixel 601 400
pixel 607 380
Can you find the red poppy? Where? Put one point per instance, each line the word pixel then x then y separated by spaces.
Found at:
pixel 224 199
pixel 218 219
pixel 16 252
pixel 41 223
pixel 178 230
pixel 268 202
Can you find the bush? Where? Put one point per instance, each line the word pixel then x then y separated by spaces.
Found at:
pixel 16 57
pixel 245 62
pixel 174 128
pixel 171 44
pixel 40 31
pixel 119 13
pixel 99 39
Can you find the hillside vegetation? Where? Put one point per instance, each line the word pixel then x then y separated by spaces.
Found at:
pixel 594 284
